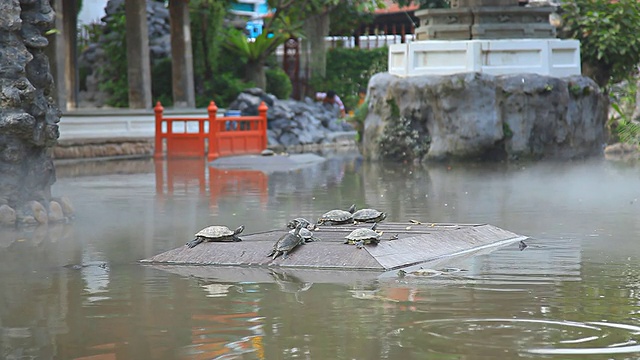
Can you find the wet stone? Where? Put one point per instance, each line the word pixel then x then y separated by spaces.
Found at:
pixel 7 215
pixel 36 211
pixel 67 207
pixel 55 213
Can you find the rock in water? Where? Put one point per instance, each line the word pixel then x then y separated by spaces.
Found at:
pixel 28 115
pixel 477 115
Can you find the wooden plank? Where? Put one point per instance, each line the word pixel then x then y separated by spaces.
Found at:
pixel 415 243
pixel 253 250
pixel 429 246
pixel 236 274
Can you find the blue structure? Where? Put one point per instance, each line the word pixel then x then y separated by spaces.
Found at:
pixel 253 29
pixel 254 9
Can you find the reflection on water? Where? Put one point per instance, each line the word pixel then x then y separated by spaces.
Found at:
pixel 75 291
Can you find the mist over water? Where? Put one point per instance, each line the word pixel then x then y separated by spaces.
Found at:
pixel 76 290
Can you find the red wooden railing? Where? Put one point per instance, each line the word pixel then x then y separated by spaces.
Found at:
pixel 225 136
pixel 189 175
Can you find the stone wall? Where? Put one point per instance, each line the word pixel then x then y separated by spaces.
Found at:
pixel 28 114
pixel 480 116
pixel 103 148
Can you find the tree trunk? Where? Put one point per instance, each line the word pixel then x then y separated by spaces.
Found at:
pixel 316 28
pixel 254 72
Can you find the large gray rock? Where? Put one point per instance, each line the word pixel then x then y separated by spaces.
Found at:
pixel 28 115
pixel 476 115
pixel 291 123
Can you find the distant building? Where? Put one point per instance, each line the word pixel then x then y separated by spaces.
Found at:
pixel 254 11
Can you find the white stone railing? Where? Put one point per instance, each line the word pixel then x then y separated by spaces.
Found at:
pixel 102 124
pixel 552 57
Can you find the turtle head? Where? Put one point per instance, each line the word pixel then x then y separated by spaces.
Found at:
pixel 352 208
pixel 401 273
pixel 239 230
pixel 383 216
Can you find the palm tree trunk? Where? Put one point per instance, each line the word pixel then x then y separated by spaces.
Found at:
pixel 254 72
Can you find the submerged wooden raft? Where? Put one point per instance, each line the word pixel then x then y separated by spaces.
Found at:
pixel 415 243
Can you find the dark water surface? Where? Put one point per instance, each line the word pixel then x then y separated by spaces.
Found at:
pixel 76 291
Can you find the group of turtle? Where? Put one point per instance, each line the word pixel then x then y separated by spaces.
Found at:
pixel 301 230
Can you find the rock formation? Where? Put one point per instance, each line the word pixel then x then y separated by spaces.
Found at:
pixel 291 123
pixel 28 114
pixel 481 116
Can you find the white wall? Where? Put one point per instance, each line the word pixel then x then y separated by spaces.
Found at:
pixel 92 11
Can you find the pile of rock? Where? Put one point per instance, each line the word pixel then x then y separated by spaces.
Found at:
pixel 294 123
pixel 35 212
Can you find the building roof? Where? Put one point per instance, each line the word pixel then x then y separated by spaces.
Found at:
pixel 391 7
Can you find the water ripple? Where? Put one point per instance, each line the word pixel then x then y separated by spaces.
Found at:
pixel 535 336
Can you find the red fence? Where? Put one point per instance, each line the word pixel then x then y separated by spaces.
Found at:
pixel 214 135
pixel 191 175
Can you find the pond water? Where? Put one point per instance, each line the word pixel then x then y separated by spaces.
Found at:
pixel 77 291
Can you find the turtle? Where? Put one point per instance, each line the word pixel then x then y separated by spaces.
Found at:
pixel 287 243
pixel 216 233
pixel 368 216
pixel 306 235
pixel 420 272
pixel 337 217
pixel 305 223
pixel 363 236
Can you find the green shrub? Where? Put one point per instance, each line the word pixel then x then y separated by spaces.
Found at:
pixel 161 84
pixel 278 83
pixel 358 118
pixel 113 75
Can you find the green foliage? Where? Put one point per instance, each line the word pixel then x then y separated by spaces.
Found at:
pixel 114 72
pixel 395 110
pixel 575 89
pixel 278 83
pixel 400 142
pixel 623 100
pixel 161 86
pixel 608 33
pixel 207 18
pixel 358 117
pixel 218 73
pixel 252 49
pixel 624 129
pixel 506 130
pixel 345 18
pixel 426 4
pixel 349 70
pixel 223 90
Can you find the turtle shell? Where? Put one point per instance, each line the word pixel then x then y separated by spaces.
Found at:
pixel 294 223
pixel 337 216
pixel 288 242
pixel 368 215
pixel 363 234
pixel 215 232
pixel 219 233
pixel 306 235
